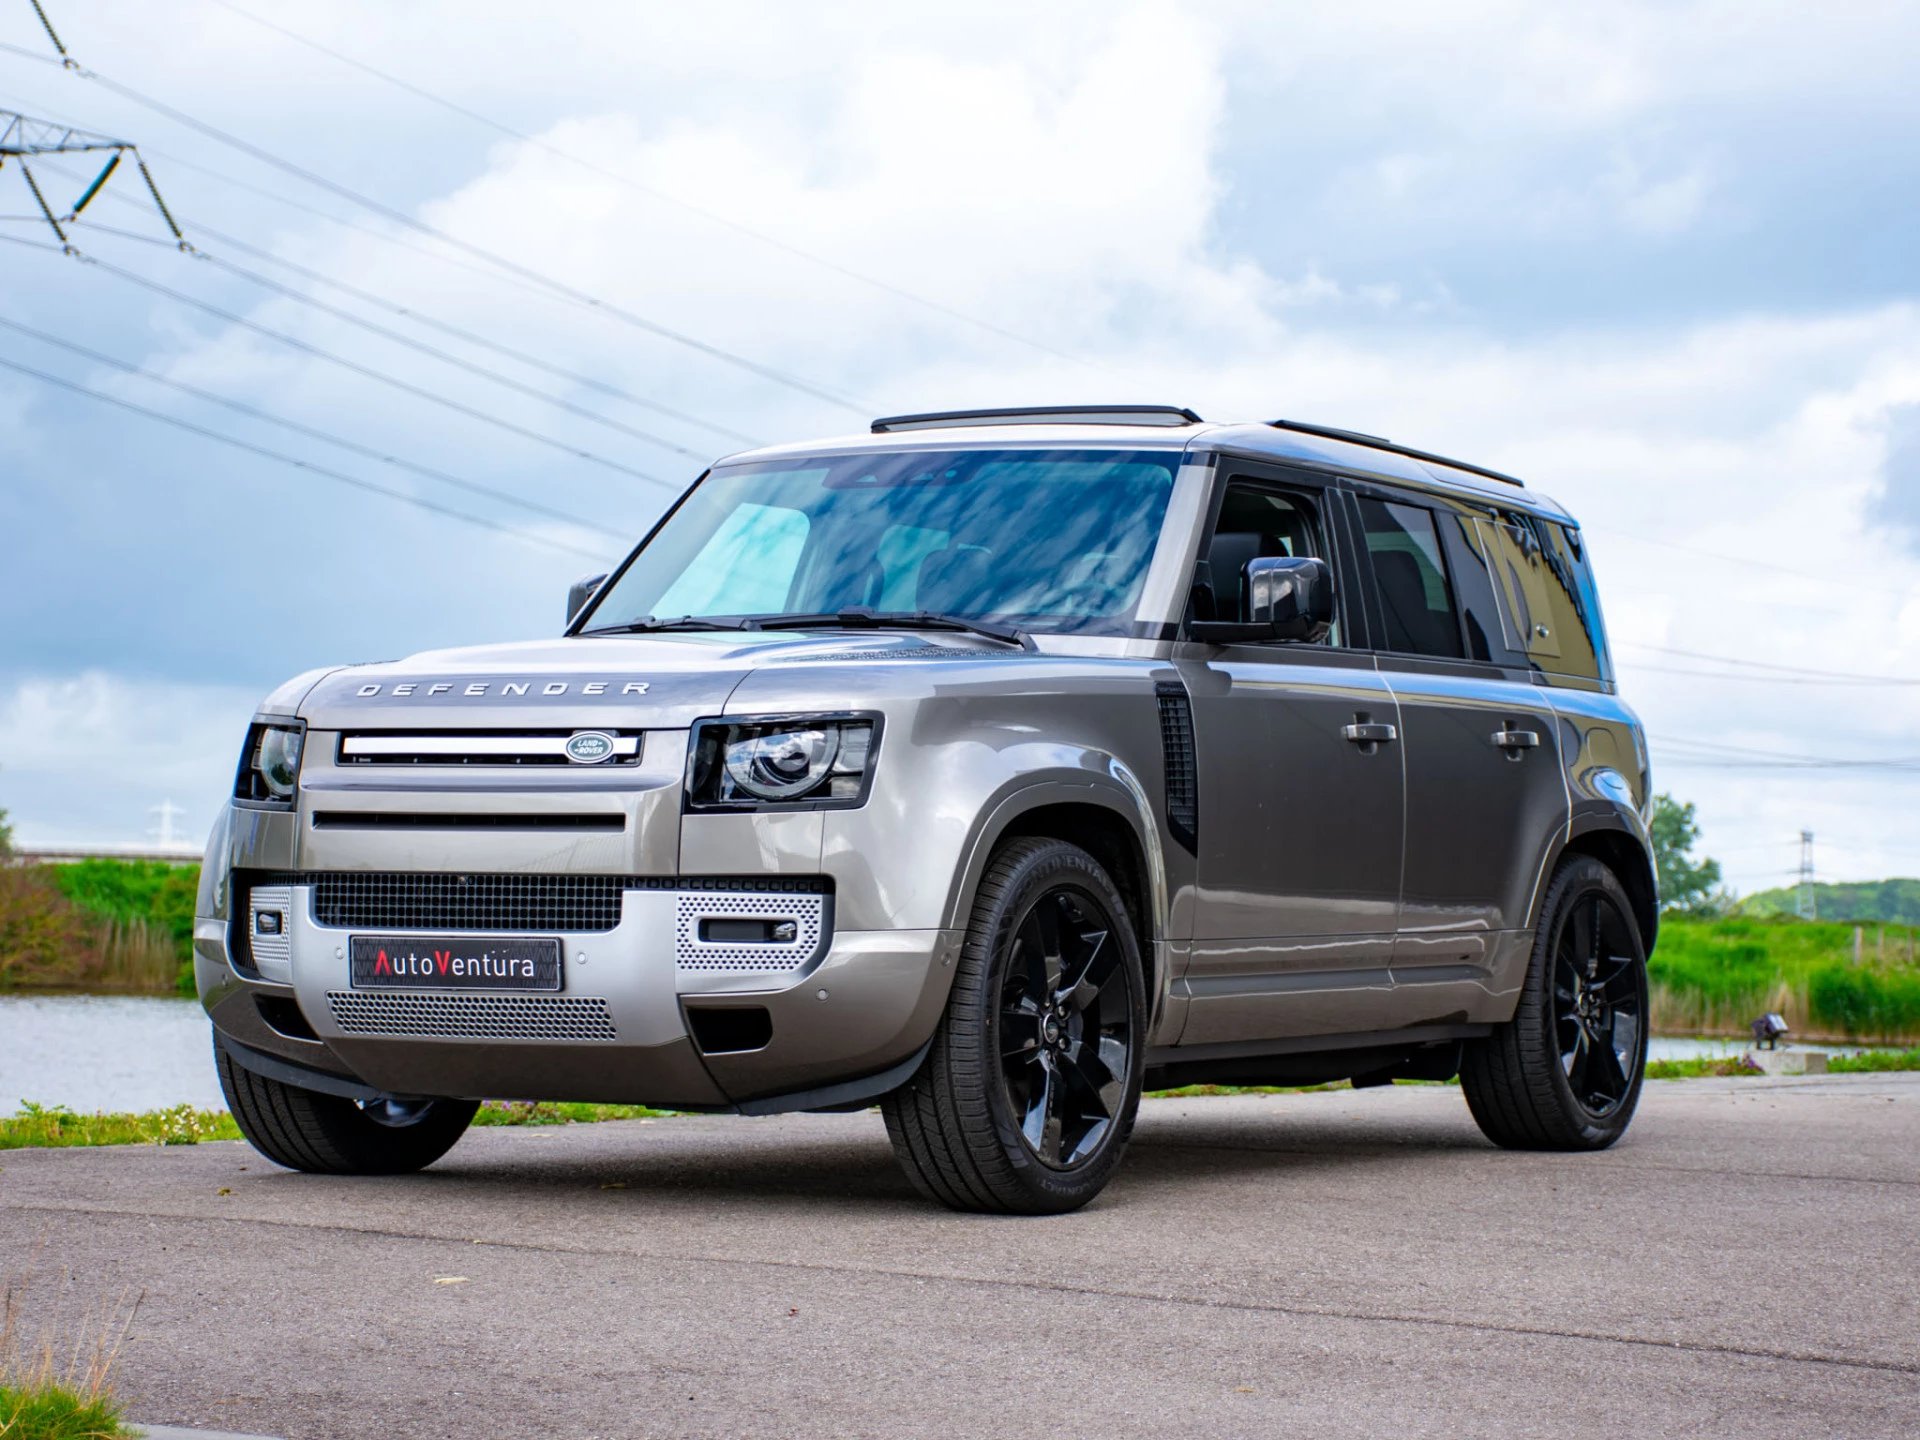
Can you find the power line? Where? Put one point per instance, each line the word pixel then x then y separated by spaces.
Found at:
pixel 1641 667
pixel 1801 671
pixel 367 451
pixel 420 318
pixel 355 481
pixel 1637 537
pixel 400 217
pixel 357 368
pixel 420 92
pixel 446 358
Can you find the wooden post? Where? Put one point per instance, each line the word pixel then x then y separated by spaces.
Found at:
pixel 1859 936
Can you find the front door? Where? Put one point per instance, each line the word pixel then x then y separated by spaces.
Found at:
pixel 1301 799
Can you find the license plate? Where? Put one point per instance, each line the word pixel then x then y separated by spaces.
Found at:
pixel 395 962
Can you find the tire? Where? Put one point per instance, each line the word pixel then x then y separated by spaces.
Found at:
pixel 331 1135
pixel 976 1128
pixel 1565 1073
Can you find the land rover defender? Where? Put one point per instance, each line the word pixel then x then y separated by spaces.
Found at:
pixel 988 768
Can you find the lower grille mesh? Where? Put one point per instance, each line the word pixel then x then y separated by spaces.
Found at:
pixel 368 900
pixel 473 1017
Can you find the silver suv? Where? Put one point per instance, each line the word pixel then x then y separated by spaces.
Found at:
pixel 991 767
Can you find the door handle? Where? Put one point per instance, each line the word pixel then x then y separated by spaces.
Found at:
pixel 1369 733
pixel 1515 739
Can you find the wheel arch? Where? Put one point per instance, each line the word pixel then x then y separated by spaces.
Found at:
pixel 1111 822
pixel 1625 853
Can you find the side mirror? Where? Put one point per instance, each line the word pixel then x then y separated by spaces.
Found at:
pixel 580 593
pixel 1293 596
pixel 1283 598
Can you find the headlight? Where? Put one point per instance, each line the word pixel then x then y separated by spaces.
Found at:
pixel 270 768
pixel 806 761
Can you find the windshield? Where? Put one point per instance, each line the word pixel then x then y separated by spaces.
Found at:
pixel 1055 540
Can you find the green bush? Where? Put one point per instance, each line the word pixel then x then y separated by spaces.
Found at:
pixel 124 890
pixel 1714 976
pixel 1866 1000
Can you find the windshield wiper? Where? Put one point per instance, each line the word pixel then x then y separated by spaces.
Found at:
pixel 647 624
pixel 863 619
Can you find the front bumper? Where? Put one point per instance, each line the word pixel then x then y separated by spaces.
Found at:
pixel 631 1023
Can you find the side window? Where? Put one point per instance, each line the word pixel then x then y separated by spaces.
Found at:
pixel 1473 588
pixel 1410 576
pixel 1546 596
pixel 746 567
pixel 1255 522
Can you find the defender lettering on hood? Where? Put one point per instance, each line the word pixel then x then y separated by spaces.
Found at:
pixel 499 689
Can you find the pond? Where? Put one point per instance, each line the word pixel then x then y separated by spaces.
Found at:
pixel 124 1052
pixel 105 1052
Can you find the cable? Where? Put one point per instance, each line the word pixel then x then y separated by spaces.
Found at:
pixel 355 481
pixel 1640 667
pixel 1636 537
pixel 446 358
pixel 400 217
pixel 1788 670
pixel 357 368
pixel 661 196
pixel 395 308
pixel 241 408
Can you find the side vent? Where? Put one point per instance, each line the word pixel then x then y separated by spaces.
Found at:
pixel 1183 771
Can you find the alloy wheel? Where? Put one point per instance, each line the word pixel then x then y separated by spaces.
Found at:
pixel 1065 1027
pixel 1599 1004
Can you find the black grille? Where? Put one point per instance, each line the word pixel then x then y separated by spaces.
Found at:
pixel 573 903
pixel 388 900
pixel 1183 772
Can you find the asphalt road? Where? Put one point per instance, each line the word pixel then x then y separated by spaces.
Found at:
pixel 1347 1264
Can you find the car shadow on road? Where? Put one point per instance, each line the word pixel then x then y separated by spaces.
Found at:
pixel 852 1167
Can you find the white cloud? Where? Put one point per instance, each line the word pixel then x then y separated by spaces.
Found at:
pixel 1059 173
pixel 87 756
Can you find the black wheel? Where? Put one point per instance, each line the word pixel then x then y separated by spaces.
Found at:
pixel 1565 1072
pixel 330 1135
pixel 1025 1101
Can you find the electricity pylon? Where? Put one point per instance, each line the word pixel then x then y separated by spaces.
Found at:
pixel 22 136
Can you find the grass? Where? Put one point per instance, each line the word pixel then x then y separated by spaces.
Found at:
pixel 549 1112
pixel 40 1126
pixel 46 1397
pixel 54 1412
pixel 1712 977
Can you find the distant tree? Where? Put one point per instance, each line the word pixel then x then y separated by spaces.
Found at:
pixel 6 836
pixel 1685 883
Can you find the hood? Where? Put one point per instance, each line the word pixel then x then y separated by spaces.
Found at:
pixel 652 682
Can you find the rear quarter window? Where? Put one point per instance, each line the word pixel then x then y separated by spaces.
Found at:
pixel 1549 610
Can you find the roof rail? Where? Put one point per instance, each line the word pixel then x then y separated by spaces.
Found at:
pixel 1376 442
pixel 1169 415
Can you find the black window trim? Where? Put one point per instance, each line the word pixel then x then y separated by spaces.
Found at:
pixel 1386 495
pixel 1327 493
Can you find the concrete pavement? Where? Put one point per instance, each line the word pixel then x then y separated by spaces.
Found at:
pixel 1345 1264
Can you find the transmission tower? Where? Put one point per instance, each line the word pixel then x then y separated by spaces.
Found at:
pixel 164 832
pixel 22 136
pixel 1806 906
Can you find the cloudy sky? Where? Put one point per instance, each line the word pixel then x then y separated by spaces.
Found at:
pixel 1658 258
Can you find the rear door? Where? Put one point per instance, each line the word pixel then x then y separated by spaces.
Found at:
pixel 1485 795
pixel 1300 814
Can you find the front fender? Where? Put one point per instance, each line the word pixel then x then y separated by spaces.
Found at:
pixel 1112 787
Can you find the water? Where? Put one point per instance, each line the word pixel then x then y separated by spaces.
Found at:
pixel 123 1052
pixel 105 1052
